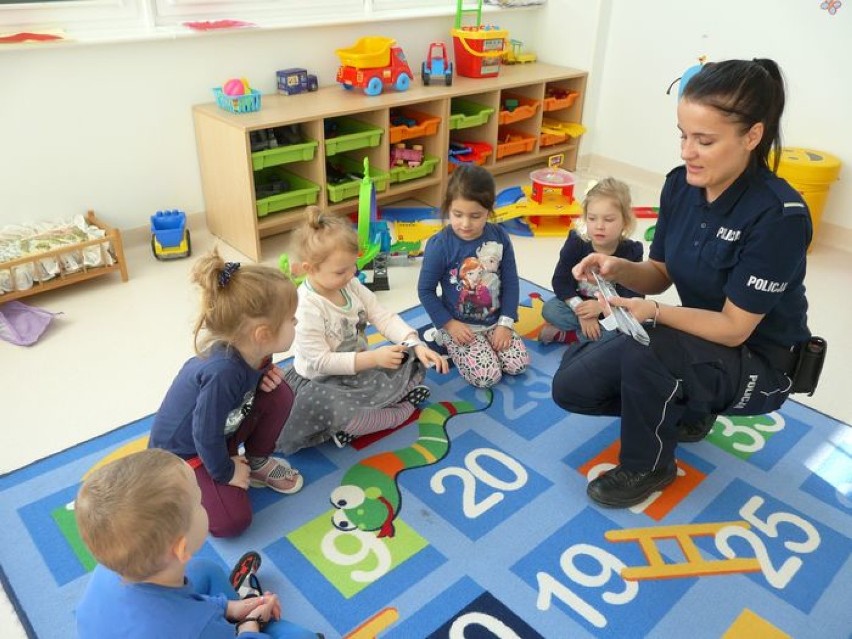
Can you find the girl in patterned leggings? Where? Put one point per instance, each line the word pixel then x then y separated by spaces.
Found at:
pixel 473 261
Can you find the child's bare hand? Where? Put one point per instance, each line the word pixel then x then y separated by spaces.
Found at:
pixel 241 472
pixel 591 328
pixel 269 608
pixel 589 309
pixel 271 379
pixel 430 358
pixel 459 331
pixel 501 338
pixel 241 608
pixel 390 356
pixel 265 608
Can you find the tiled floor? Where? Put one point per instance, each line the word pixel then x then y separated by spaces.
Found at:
pixel 109 358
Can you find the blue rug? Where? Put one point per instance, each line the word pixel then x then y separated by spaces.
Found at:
pixel 492 535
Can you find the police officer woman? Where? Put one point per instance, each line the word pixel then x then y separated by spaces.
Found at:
pixel 732 238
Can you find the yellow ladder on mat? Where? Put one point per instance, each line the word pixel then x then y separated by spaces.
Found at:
pixel 694 566
pixel 461 11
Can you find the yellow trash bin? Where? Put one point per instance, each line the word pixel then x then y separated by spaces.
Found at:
pixel 811 173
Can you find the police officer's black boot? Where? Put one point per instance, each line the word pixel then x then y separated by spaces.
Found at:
pixel 622 488
pixel 695 430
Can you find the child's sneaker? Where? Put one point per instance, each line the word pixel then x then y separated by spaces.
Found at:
pixel 277 475
pixel 244 578
pixel 418 394
pixel 548 333
pixel 341 438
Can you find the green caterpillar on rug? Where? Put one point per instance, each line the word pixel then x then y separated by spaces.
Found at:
pixel 368 496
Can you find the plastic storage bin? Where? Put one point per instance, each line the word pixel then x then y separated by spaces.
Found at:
pixel 526 108
pixel 549 139
pixel 511 142
pixel 284 155
pixel 555 100
pixel 423 124
pixel 346 134
pixel 464 114
pixel 238 103
pixel 556 131
pixel 405 173
pixel 345 190
pixel 300 192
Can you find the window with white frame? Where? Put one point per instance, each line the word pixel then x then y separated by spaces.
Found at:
pixel 58 14
pixel 276 12
pixel 141 15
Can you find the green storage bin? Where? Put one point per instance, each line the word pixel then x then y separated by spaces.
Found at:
pixel 301 192
pixel 346 190
pixel 284 155
pixel 404 173
pixel 464 114
pixel 350 135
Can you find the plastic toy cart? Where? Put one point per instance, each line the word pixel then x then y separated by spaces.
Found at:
pixel 170 239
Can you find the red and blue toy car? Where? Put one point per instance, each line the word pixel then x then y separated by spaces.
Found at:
pixel 437 65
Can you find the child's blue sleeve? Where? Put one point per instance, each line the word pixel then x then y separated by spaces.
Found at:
pixel 431 273
pixel 635 251
pixel 511 286
pixel 563 282
pixel 632 251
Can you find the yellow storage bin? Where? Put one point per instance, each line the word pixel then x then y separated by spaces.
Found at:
pixel 811 173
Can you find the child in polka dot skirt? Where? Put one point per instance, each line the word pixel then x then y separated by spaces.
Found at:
pixel 343 388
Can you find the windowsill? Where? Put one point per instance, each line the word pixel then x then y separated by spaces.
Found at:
pixel 75 36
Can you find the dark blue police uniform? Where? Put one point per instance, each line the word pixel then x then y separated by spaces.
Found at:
pixel 749 246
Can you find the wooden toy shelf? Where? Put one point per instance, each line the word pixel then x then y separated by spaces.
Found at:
pixel 111 259
pixel 227 165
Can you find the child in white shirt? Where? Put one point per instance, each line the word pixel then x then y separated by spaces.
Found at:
pixel 343 388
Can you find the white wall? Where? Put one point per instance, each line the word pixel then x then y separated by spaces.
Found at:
pixel 109 126
pixel 649 44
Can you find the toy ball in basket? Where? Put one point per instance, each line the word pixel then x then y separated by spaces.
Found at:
pixel 237 96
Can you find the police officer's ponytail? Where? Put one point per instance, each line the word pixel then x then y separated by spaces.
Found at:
pixel 747 91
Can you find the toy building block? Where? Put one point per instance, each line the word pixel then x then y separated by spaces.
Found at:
pixel 170 239
pixel 380 274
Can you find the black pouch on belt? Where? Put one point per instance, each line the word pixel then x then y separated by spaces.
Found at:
pixel 808 366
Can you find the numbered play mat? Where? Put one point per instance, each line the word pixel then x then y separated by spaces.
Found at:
pixel 472 521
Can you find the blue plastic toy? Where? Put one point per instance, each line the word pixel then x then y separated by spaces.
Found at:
pixel 170 238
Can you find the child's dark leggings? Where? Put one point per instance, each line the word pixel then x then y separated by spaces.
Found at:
pixel 228 507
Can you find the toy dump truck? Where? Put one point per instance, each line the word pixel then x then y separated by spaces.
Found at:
pixel 373 63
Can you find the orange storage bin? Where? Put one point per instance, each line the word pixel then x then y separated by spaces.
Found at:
pixel 555 99
pixel 424 125
pixel 526 108
pixel 549 139
pixel 511 142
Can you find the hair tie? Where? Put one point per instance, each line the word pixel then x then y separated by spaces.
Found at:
pixel 227 273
